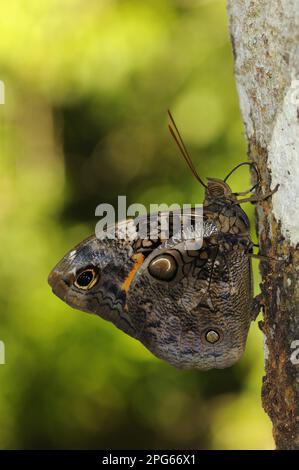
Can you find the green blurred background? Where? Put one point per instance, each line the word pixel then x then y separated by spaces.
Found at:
pixel 88 84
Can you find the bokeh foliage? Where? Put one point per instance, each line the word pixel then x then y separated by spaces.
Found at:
pixel 87 89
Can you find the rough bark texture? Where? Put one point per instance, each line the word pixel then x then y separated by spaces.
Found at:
pixel 265 40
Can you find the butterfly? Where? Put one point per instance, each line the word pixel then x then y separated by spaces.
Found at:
pixel 189 307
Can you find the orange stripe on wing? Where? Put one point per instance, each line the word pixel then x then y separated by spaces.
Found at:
pixel 138 259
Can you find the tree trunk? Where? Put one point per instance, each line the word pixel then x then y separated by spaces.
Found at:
pixel 265 40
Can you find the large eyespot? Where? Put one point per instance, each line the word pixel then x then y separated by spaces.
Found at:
pixel 163 267
pixel 212 336
pixel 87 278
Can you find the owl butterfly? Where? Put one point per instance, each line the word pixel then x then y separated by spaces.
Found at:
pixel 192 308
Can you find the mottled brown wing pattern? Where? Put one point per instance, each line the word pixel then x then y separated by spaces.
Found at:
pixel 191 308
pixel 172 319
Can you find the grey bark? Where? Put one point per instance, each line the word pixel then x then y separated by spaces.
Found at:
pixel 265 40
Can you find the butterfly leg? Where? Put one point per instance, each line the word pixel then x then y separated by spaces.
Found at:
pixel 255 198
pixel 257 305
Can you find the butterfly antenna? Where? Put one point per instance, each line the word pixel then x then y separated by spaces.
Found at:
pixel 251 165
pixel 180 143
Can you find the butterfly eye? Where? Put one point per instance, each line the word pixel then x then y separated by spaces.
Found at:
pixel 212 336
pixel 163 268
pixel 87 279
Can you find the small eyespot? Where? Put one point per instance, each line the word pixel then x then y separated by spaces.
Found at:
pixel 163 268
pixel 87 278
pixel 212 336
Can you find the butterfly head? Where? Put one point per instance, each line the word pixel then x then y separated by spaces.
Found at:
pixel 218 189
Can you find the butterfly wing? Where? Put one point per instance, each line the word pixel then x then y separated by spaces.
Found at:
pixel 196 318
